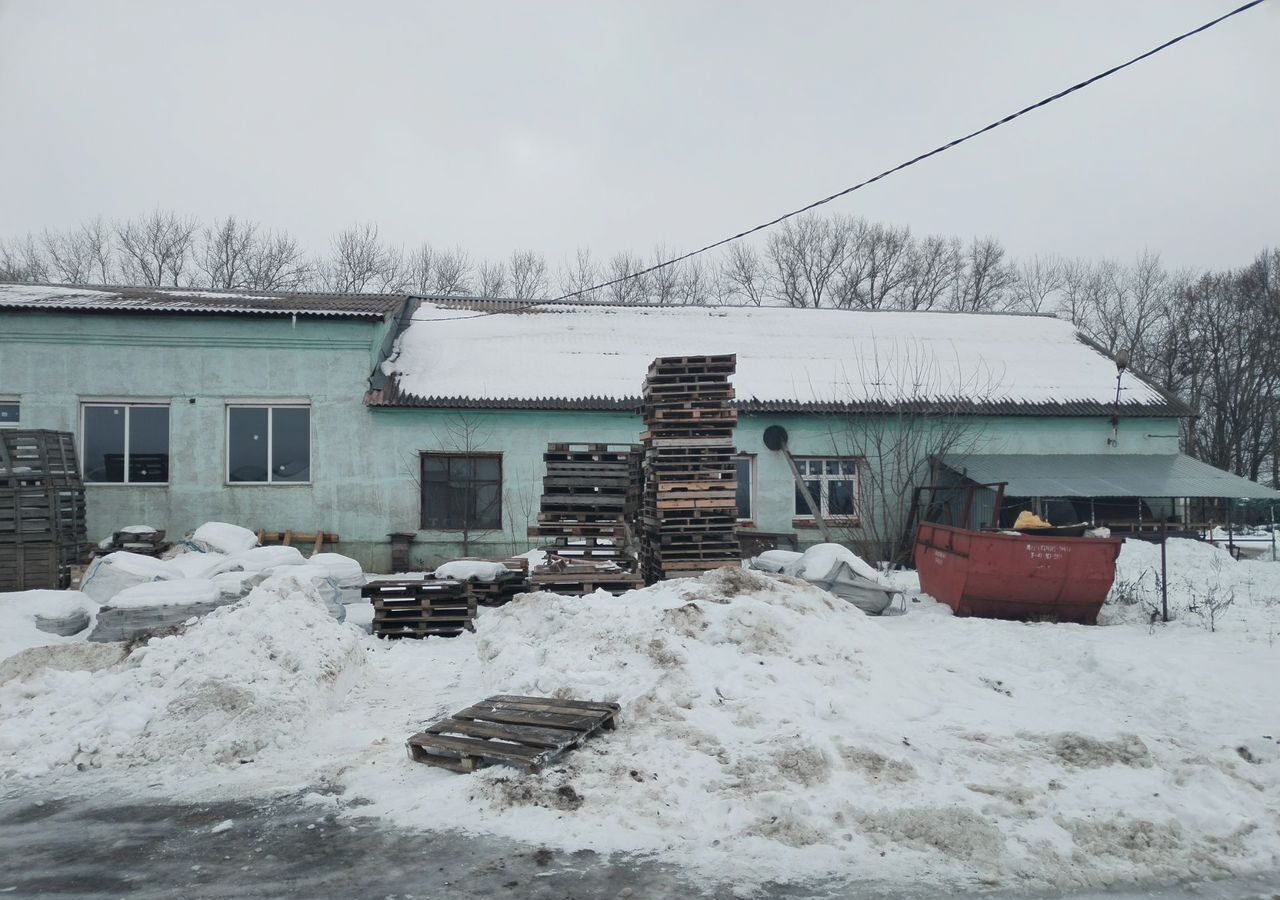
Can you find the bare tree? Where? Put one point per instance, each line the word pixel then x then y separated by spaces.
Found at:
pixel 452 273
pixel 697 285
pixel 492 277
pixel 905 424
pixel 663 285
pixel 876 266
pixel 70 259
pixel 359 262
pixel 806 254
pixel 579 275
pixel 1038 281
pixel 627 288
pixel 21 260
pixel 224 251
pixel 746 274
pixel 156 249
pixel 932 269
pixel 985 278
pixel 528 275
pixel 275 262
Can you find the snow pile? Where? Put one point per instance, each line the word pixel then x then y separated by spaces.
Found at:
pixel 242 679
pixel 1207 588
pixel 30 618
pixel 221 537
pixel 769 727
pixel 471 570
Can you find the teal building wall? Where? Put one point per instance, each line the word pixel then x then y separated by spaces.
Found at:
pixel 364 462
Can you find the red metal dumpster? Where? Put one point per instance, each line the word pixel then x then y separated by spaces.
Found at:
pixel 1016 576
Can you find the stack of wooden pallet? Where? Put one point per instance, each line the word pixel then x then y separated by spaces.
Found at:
pixel 419 608
pixel 590 496
pixel 689 509
pixel 147 542
pixel 42 513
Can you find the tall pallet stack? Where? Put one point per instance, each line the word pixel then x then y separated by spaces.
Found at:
pixel 589 499
pixel 689 509
pixel 42 513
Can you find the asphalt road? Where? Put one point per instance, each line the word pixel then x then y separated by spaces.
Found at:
pixel 94 849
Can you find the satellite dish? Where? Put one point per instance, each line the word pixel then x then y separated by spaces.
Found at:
pixel 775 437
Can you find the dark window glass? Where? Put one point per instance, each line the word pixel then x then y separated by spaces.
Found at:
pixel 148 444
pixel 840 498
pixel 290 444
pixel 104 443
pixel 247 443
pixel 461 492
pixel 8 413
pixel 743 466
pixel 815 491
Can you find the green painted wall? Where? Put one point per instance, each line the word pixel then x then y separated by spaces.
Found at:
pixel 365 461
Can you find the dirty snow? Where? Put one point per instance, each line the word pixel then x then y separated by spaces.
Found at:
pixel 241 679
pixel 767 729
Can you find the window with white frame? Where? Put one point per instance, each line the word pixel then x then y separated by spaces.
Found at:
pixel 833 483
pixel 745 469
pixel 125 443
pixel 9 410
pixel 268 443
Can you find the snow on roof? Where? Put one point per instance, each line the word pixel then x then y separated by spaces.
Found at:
pixel 74 298
pixel 589 356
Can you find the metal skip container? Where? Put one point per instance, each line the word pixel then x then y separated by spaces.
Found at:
pixel 1016 576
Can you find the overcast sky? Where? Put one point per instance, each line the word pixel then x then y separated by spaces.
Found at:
pixel 551 126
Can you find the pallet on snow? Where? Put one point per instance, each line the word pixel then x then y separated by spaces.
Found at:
pixel 525 732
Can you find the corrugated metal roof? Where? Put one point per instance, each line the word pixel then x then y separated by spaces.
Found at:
pixel 504 355
pixel 1106 475
pixel 391 396
pixel 158 300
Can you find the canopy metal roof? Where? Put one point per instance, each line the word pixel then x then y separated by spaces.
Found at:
pixel 1106 475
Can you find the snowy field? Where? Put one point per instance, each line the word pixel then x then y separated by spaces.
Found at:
pixel 768 730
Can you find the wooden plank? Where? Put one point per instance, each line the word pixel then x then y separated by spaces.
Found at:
pixel 512 753
pixel 530 735
pixel 574 704
pixel 497 713
pixel 545 705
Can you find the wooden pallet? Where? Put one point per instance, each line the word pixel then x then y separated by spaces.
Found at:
pixel 526 732
pixel 317 539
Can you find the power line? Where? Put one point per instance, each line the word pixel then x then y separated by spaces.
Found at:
pixel 885 174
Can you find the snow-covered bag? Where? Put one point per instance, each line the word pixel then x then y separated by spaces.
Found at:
pixel 222 537
pixel 471 570
pixel 110 574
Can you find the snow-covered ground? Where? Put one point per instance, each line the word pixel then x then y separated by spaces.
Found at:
pixel 768 731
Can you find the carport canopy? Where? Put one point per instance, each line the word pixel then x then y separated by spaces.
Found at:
pixel 1106 475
